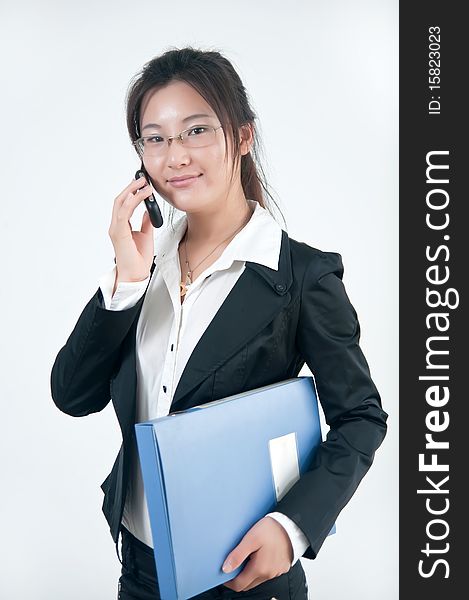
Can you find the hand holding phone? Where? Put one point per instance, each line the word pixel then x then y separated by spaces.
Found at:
pixel 134 249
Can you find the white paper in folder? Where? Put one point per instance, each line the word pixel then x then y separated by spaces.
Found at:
pixel 284 463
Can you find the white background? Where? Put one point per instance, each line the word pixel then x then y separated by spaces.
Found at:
pixel 322 77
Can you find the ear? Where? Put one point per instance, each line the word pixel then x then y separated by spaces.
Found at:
pixel 246 138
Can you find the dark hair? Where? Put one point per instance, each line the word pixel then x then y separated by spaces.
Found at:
pixel 215 79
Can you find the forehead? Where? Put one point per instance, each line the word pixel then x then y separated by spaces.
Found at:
pixel 168 106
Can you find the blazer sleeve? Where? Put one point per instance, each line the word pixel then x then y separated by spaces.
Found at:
pixel 81 373
pixel 328 339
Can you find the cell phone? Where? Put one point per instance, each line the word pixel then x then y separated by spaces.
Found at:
pixel 150 202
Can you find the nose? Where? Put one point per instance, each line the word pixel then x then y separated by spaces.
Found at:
pixel 177 153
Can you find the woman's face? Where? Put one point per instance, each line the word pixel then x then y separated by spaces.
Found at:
pixel 171 108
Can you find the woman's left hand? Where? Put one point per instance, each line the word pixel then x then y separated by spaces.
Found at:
pixel 271 555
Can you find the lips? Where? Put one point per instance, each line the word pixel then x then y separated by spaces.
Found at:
pixel 184 182
pixel 183 177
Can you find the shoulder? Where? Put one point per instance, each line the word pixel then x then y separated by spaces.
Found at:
pixel 313 263
pixel 321 287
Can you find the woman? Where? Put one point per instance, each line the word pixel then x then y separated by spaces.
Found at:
pixel 229 302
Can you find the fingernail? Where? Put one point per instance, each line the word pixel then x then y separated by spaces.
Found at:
pixel 226 566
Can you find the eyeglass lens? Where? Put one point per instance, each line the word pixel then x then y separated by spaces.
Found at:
pixel 196 137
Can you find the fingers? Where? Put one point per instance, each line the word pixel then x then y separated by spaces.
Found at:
pixel 133 249
pixel 125 204
pixel 133 186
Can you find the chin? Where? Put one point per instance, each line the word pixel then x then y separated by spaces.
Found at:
pixel 199 207
pixel 179 204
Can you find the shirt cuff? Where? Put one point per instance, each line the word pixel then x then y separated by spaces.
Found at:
pixel 127 293
pixel 298 539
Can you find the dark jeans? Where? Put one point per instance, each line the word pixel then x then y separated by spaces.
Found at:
pixel 138 580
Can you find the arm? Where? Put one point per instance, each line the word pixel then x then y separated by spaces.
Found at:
pixel 82 370
pixel 123 295
pixel 298 539
pixel 328 338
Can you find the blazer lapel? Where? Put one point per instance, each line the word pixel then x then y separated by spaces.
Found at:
pixel 257 297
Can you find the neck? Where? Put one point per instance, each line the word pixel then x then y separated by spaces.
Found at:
pixel 212 226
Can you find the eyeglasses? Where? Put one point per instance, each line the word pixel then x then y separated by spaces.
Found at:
pixel 194 137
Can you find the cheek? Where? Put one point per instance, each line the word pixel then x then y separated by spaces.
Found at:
pixel 154 171
pixel 216 166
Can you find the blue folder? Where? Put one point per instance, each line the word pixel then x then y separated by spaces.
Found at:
pixel 212 471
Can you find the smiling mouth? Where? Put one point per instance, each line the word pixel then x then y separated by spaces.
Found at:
pixel 184 182
pixel 184 178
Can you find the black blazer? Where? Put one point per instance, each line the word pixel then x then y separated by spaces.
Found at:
pixel 270 324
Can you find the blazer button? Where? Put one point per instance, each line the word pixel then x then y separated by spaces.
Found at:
pixel 164 389
pixel 280 287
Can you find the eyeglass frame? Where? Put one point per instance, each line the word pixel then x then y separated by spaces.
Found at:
pixel 173 137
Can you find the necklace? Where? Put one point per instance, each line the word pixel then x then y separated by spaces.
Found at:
pixel 183 285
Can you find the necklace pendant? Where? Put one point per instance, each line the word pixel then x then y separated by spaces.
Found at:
pixel 183 285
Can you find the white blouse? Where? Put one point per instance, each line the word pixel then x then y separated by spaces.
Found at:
pixel 168 331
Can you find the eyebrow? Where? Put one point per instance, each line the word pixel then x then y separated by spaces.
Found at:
pixel 196 116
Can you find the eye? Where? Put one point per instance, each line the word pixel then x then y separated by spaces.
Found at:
pixel 200 129
pixel 154 139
